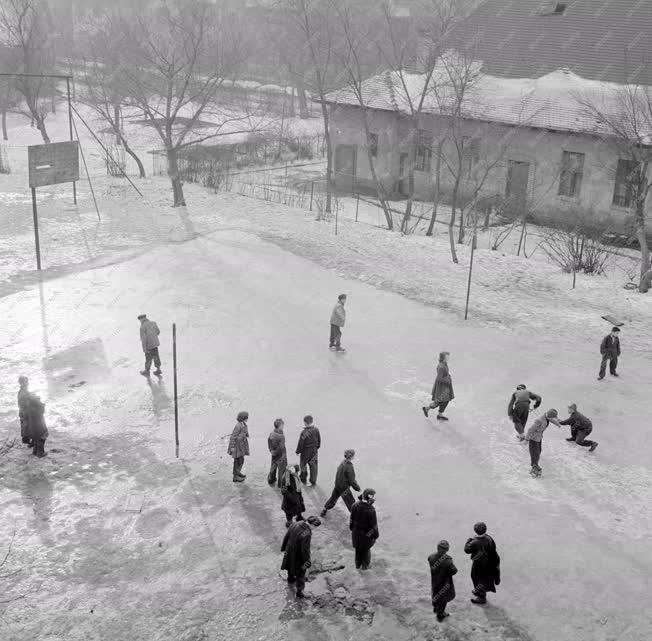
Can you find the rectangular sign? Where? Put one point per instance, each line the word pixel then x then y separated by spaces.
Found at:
pixel 53 164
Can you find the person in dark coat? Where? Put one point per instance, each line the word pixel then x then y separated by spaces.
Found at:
pixel 519 407
pixel 37 430
pixel 239 446
pixel 442 570
pixel 610 350
pixel 23 401
pixel 276 446
pixel 442 390
pixel 580 426
pixel 296 546
pixel 364 528
pixel 292 503
pixel 485 568
pixel 307 449
pixel 344 481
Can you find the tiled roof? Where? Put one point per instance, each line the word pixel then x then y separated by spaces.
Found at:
pixel 554 101
pixel 598 39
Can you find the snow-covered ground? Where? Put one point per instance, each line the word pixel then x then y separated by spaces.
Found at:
pixel 250 285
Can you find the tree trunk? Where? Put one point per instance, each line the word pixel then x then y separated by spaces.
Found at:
pixel 4 125
pixel 642 240
pixel 116 120
pixel 451 222
pixel 329 154
pixel 460 236
pixel 380 189
pixel 40 125
pixel 292 112
pixel 132 153
pixel 411 161
pixel 435 200
pixel 175 179
pixel 303 102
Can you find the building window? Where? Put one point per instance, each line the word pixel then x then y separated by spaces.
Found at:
pixel 570 177
pixel 373 145
pixel 470 157
pixel 423 151
pixel 626 180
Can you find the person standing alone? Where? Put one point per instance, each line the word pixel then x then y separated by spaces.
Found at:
pixel 239 446
pixel 23 402
pixel 149 333
pixel 276 446
pixel 307 449
pixel 442 390
pixel 610 350
pixel 338 318
pixel 344 481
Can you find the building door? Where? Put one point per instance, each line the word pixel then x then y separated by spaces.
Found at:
pixel 403 187
pixel 345 166
pixel 518 174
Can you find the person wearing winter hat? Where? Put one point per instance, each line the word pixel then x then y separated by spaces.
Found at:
pixel 518 409
pixel 364 528
pixel 344 481
pixel 485 569
pixel 296 548
pixel 442 589
pixel 581 427
pixel 610 350
pixel 534 437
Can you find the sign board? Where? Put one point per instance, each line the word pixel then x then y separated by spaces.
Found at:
pixel 53 164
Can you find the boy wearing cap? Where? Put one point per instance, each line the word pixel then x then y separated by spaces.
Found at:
pixel 442 588
pixel 581 427
pixel 364 528
pixel 296 546
pixel 149 332
pixel 519 407
pixel 485 568
pixel 610 350
pixel 534 437
pixel 344 481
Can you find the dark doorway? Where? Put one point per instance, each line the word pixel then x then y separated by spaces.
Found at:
pixel 345 166
pixel 518 174
pixel 403 187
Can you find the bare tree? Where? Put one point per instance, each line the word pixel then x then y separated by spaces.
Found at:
pixel 175 56
pixel 359 26
pixel 104 91
pixel 413 71
pixel 623 115
pixel 310 26
pixel 24 24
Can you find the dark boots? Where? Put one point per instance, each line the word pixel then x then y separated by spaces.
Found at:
pixel 39 448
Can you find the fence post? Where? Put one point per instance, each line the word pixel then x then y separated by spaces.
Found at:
pixel 176 404
pixel 357 204
pixel 312 191
pixel 468 287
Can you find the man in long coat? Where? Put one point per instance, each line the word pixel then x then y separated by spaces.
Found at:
pixel 276 446
pixel 364 528
pixel 485 569
pixel 442 570
pixel 610 350
pixel 518 408
pixel 149 333
pixel 344 481
pixel 296 546
pixel 338 318
pixel 37 430
pixel 23 401
pixel 307 449
pixel 239 446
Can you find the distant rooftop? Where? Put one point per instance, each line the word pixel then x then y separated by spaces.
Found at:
pixel 596 39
